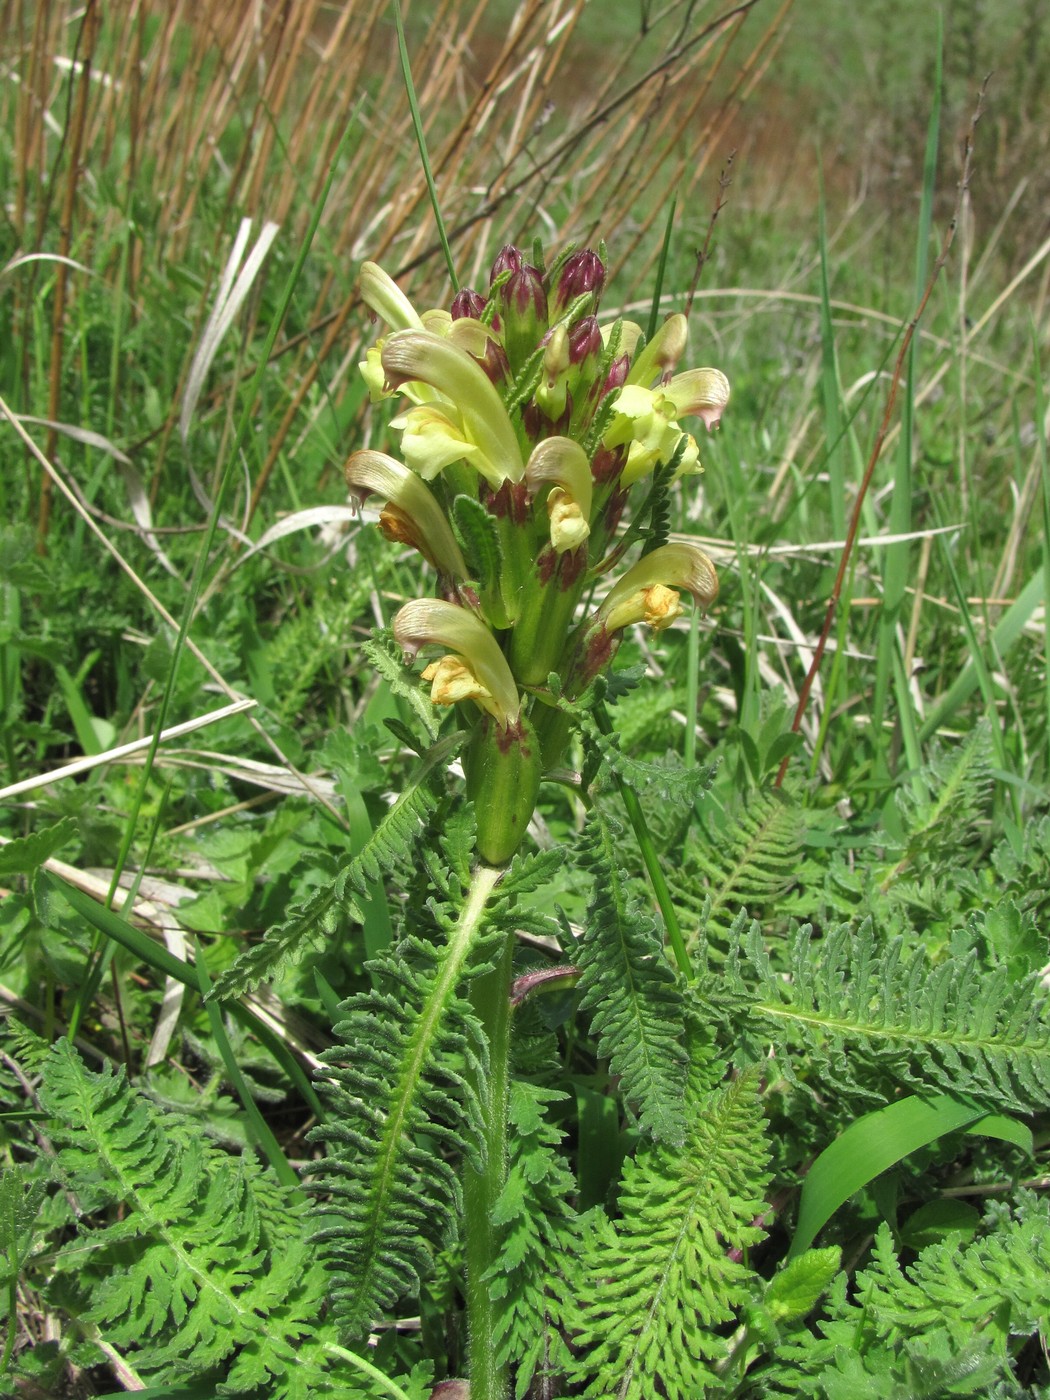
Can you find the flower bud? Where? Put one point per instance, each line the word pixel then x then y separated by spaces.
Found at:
pixel 583 273
pixel 467 302
pixel 617 376
pixel 662 354
pixel 553 386
pixel 495 363
pixel 523 305
pixel 585 346
pixel 585 341
pixel 508 259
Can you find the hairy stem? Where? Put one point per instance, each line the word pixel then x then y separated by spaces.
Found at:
pixel 490 995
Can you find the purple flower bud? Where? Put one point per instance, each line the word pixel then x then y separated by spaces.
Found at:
pixel 617 375
pixel 524 294
pixel 523 308
pixel 607 464
pixel 495 362
pixel 583 273
pixel 508 259
pixel 585 339
pixel 467 303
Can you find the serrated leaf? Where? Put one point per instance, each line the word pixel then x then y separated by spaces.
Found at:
pixel 24 855
pixel 478 537
pixel 800 1284
pixel 629 989
pixel 321 912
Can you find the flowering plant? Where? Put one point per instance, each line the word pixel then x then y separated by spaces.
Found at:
pixel 527 428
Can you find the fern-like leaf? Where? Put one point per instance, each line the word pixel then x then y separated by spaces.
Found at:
pixel 953 791
pixel 478 536
pixel 629 988
pixel 320 914
pixel 746 860
pixel 862 1016
pixel 538 1227
pixel 657 1285
pixel 660 782
pixel 414 1054
pixel 388 659
pixel 952 1313
pixel 206 1265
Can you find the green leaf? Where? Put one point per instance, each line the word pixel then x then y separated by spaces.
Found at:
pixel 796 1289
pixel 26 854
pixel 398 1077
pixel 869 1147
pixel 998 1125
pixel 629 988
pixel 321 912
pixel 657 1289
pixel 940 1222
pixel 479 538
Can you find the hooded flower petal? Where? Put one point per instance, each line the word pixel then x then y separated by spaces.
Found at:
pixel 634 597
pixel 562 463
pixel 700 393
pixel 429 621
pixel 382 295
pixel 662 353
pixel 420 355
pixel 412 514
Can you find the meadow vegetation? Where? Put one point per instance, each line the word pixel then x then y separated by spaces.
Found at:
pixel 776 942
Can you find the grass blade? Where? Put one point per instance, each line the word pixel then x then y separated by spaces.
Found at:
pixel 421 141
pixel 661 268
pixel 869 1147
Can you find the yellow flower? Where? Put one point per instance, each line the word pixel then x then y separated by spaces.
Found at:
pixel 646 593
pixel 480 666
pixel 562 463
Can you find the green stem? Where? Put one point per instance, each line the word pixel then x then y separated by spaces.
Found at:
pixel 490 995
pixel 384 1383
pixel 12 1325
pixel 651 859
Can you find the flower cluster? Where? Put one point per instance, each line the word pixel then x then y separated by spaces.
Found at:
pixel 527 424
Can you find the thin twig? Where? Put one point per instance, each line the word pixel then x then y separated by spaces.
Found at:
pixel 724 181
